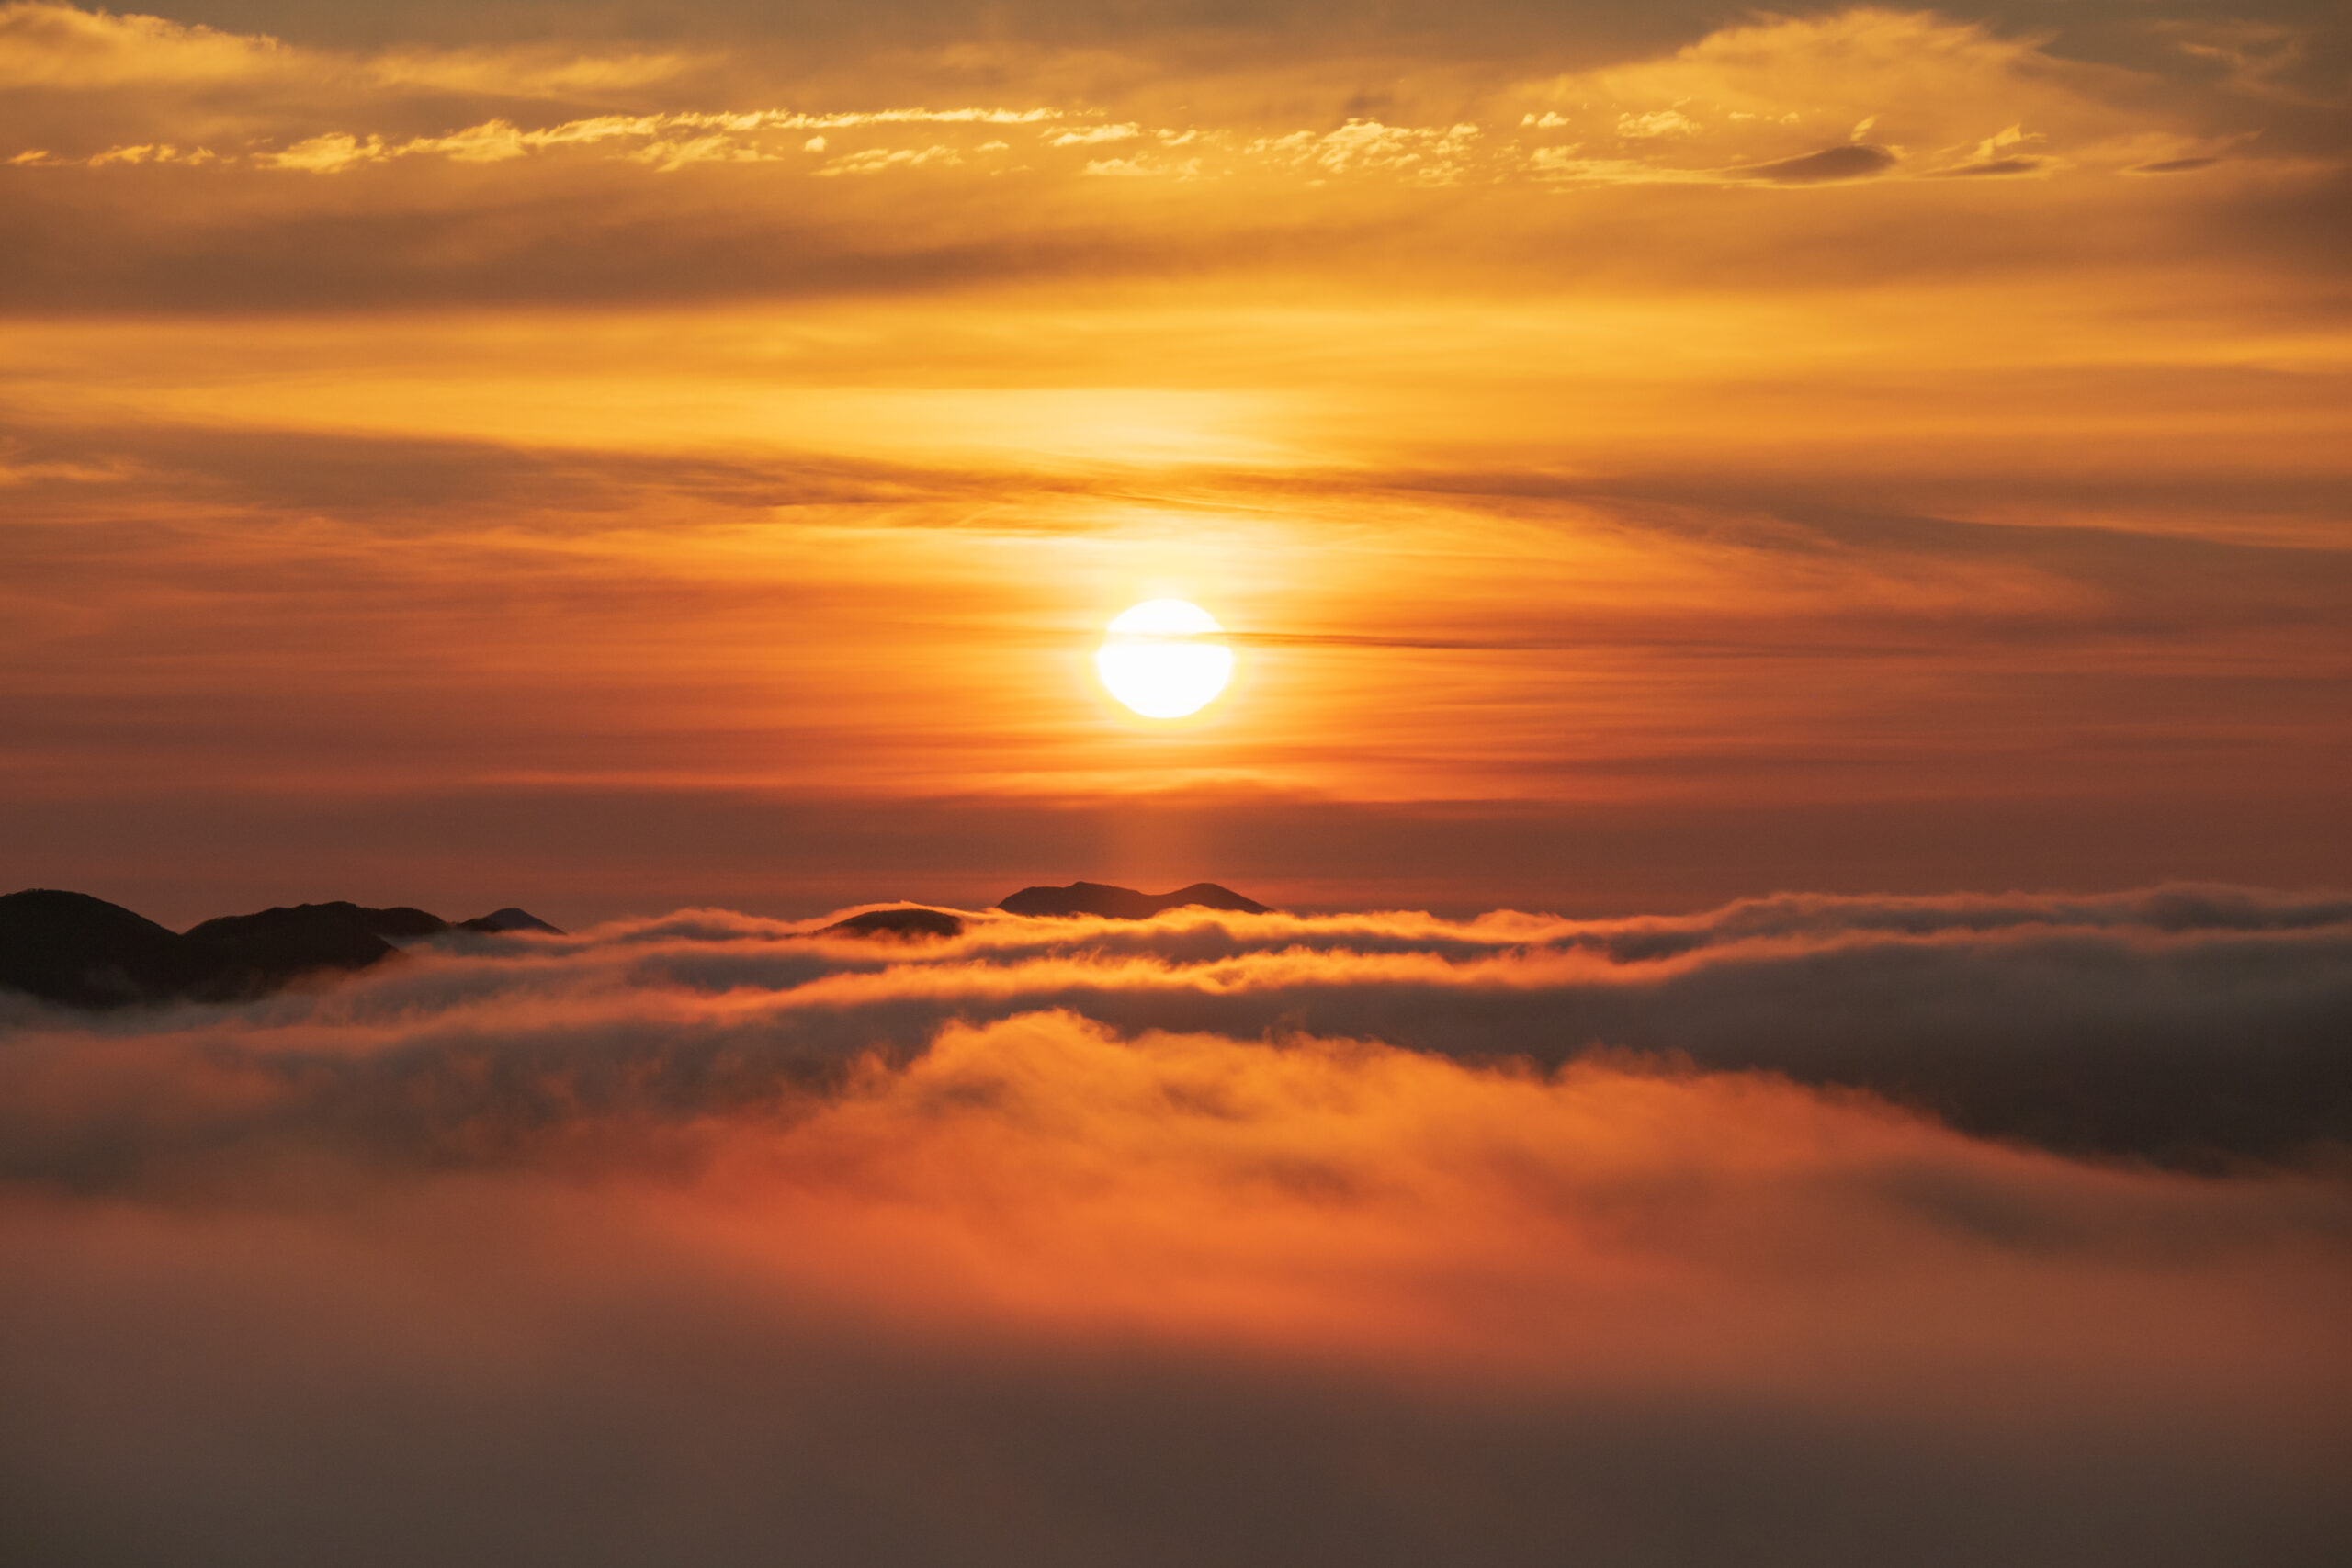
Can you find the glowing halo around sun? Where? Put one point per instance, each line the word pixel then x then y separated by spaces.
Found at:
pixel 1161 658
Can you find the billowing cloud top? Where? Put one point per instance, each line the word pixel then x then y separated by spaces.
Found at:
pixel 2184 1025
pixel 751 1225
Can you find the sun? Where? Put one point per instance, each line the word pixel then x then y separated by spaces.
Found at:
pixel 1163 660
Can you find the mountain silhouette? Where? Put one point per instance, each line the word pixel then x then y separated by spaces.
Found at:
pixel 249 954
pixel 905 923
pixel 86 952
pixel 1124 903
pixel 509 920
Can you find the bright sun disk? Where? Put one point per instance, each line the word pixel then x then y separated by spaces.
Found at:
pixel 1157 659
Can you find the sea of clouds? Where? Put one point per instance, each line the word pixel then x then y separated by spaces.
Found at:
pixel 1807 1230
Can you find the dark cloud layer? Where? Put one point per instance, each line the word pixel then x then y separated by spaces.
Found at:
pixel 2110 30
pixel 1853 162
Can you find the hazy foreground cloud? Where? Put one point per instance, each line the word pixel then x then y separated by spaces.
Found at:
pixel 1224 1238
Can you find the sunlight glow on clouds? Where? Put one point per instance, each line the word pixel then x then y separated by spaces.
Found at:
pixel 1747 95
pixel 1850 484
pixel 726 1176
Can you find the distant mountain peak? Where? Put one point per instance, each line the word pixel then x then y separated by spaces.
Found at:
pixel 509 920
pixel 907 923
pixel 251 954
pixel 83 952
pixel 1106 902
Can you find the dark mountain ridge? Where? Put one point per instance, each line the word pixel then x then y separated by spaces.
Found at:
pixel 251 954
pixel 911 923
pixel 1106 902
pixel 84 951
pixel 81 952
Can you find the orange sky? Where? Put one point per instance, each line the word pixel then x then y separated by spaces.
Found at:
pixel 1646 461
pixel 1752 544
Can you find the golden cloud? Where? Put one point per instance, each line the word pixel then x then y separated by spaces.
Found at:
pixel 50 45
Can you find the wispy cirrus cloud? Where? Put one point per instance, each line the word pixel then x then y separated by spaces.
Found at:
pixel 1762 97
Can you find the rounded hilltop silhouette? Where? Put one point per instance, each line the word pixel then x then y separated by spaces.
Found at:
pixel 916 922
pixel 908 923
pixel 83 952
pixel 1106 902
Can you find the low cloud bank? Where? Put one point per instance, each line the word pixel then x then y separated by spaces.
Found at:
pixel 2189 1026
pixel 707 1240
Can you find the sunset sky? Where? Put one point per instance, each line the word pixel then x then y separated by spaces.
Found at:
pixel 617 457
pixel 1788 577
